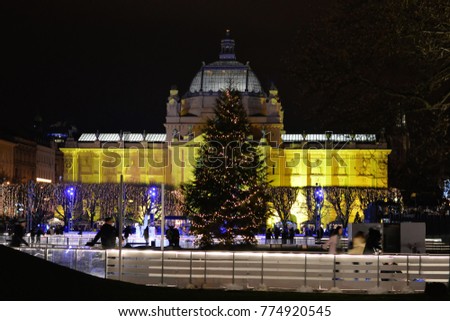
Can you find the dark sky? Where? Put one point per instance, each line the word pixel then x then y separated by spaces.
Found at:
pixel 108 65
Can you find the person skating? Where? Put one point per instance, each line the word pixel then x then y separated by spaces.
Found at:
pixel 107 235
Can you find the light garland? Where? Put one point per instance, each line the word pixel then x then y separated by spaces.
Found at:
pixel 233 207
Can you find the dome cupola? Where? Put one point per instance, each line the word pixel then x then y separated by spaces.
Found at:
pixel 224 73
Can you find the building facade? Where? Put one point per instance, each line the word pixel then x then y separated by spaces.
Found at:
pixel 6 160
pixel 23 160
pixel 296 159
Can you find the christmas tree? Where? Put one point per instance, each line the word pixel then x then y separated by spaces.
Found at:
pixel 227 199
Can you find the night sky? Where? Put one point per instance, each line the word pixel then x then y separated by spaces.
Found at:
pixel 108 65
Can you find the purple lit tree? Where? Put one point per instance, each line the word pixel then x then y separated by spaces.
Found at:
pixel 67 199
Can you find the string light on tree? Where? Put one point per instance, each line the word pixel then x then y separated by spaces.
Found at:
pixel 227 200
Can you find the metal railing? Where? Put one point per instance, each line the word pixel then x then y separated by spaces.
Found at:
pixel 433 246
pixel 289 271
pixel 256 270
pixel 75 240
pixel 89 261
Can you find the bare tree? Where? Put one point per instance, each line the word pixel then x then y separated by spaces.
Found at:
pixel 68 197
pixel 343 201
pixel 91 194
pixel 40 206
pixel 308 193
pixel 109 199
pixel 174 202
pixel 283 198
pixel 387 61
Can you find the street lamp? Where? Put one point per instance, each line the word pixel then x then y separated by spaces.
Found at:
pixel 153 193
pixel 318 197
pixel 70 194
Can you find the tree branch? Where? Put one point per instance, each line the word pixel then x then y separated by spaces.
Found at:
pixel 393 93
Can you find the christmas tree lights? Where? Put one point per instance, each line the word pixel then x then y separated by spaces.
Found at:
pixel 227 200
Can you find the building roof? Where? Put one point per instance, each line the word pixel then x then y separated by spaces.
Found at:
pixel 225 72
pixel 126 137
pixel 293 138
pixel 286 138
pixel 220 75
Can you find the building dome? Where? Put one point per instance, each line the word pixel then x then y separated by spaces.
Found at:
pixel 224 73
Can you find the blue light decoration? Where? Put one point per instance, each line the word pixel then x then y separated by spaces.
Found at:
pixel 318 197
pixel 222 228
pixel 446 189
pixel 70 191
pixel 153 195
pixel 70 194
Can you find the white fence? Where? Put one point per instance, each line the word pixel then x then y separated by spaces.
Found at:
pixel 259 270
pixel 278 271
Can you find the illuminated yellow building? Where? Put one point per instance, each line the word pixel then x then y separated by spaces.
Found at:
pixel 172 163
pixel 328 159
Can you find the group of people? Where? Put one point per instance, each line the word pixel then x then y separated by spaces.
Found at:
pixel 285 233
pixel 361 244
pixel 288 233
pixel 108 235
pixel 35 234
pixel 19 231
